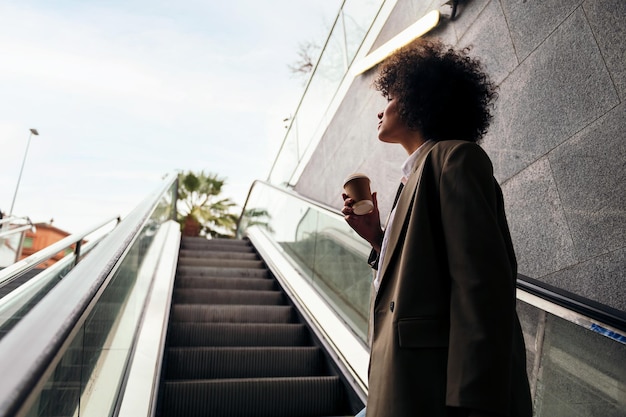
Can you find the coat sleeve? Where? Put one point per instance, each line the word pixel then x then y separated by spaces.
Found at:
pixel 482 287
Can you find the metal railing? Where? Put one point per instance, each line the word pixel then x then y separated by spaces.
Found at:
pixel 77 329
pixel 596 315
pixel 18 300
pixel 12 229
pixel 14 271
pixel 19 224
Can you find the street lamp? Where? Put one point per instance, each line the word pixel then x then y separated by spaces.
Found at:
pixel 32 132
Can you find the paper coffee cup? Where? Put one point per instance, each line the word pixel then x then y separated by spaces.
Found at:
pixel 357 187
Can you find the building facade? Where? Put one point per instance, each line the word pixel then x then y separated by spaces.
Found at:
pixel 40 237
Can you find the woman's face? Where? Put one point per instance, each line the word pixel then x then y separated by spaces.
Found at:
pixel 391 128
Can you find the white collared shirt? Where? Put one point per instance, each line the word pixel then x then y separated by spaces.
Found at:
pixel 407 168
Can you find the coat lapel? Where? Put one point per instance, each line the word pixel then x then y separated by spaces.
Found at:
pixel 402 209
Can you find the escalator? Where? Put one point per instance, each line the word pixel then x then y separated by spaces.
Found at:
pixel 273 324
pixel 237 347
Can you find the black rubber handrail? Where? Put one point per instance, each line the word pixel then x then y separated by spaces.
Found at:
pixel 581 305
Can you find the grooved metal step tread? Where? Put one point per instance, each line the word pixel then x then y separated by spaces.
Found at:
pixel 254 397
pixel 214 271
pixel 217 241
pixel 221 263
pixel 203 296
pixel 196 253
pixel 225 250
pixel 238 334
pixel 232 313
pixel 226 283
pixel 244 362
pixel 227 245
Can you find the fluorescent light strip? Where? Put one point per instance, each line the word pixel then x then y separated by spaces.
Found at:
pixel 408 35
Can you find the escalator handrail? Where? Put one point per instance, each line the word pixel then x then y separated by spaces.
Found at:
pixel 50 325
pixel 19 268
pixel 291 193
pixel 19 298
pixel 578 304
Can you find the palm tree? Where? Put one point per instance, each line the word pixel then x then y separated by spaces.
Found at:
pixel 199 204
pixel 254 217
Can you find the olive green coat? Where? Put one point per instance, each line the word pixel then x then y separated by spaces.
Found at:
pixel 445 329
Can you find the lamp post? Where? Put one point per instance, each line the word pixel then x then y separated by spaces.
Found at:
pixel 32 132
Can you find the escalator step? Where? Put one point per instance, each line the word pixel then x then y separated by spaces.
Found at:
pixel 232 313
pixel 250 362
pixel 259 397
pixel 203 296
pixel 214 271
pixel 236 347
pixel 216 245
pixel 221 263
pixel 226 283
pixel 237 334
pixel 184 254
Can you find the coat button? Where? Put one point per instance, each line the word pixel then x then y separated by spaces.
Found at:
pixel 391 306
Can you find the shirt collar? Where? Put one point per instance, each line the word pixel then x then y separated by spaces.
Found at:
pixel 408 165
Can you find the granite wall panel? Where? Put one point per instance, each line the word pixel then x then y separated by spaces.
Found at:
pixel 590 173
pixel 466 16
pixel 538 225
pixel 608 22
pixel 531 22
pixel 490 40
pixel 600 278
pixel 561 88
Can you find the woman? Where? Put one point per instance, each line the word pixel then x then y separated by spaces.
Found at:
pixel 445 337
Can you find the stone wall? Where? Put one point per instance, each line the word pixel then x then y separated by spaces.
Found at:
pixel 557 141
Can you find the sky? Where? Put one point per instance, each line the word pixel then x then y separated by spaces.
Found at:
pixel 123 93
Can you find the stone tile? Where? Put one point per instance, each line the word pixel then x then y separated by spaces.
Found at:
pixel 540 234
pixel 601 279
pixel 531 22
pixel 590 174
pixel 561 88
pixel 490 41
pixel 466 15
pixel 444 32
pixel 356 115
pixel 608 22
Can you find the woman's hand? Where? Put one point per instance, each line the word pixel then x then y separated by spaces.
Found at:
pixel 366 225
